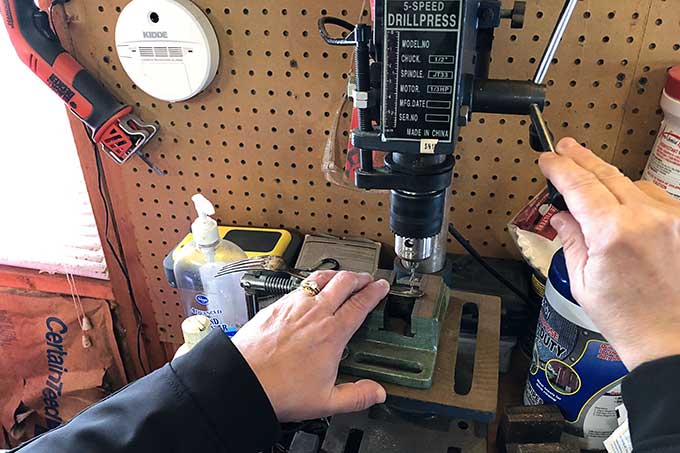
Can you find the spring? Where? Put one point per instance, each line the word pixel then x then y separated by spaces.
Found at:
pixel 279 285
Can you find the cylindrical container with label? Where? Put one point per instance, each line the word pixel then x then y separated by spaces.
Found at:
pixel 536 294
pixel 573 366
pixel 663 166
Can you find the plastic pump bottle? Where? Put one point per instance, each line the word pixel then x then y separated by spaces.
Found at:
pixel 221 299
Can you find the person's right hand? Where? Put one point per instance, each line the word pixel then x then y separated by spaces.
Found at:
pixel 622 248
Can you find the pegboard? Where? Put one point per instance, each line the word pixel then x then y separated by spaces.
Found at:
pixel 253 141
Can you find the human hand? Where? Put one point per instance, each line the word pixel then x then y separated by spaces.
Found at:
pixel 295 345
pixel 621 244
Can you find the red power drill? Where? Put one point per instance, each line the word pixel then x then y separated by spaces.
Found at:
pixel 112 124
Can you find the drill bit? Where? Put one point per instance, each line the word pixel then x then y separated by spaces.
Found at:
pixel 411 266
pixel 148 162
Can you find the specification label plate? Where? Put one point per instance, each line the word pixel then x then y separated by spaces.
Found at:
pixel 420 69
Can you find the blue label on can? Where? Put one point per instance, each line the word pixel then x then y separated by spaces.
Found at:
pixel 202 299
pixel 229 330
pixel 577 370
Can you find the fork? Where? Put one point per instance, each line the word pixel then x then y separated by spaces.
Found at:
pixel 276 264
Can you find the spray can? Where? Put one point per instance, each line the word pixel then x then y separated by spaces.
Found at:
pixel 663 166
pixel 573 366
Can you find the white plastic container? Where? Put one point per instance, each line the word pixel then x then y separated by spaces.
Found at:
pixel 194 329
pixel 573 366
pixel 221 299
pixel 663 166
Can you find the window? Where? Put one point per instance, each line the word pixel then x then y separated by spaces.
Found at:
pixel 46 219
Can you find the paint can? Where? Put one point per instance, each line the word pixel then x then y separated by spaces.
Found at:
pixel 573 366
pixel 536 294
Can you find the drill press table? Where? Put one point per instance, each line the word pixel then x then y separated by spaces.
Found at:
pixel 479 404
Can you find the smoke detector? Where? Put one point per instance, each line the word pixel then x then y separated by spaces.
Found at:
pixel 167 47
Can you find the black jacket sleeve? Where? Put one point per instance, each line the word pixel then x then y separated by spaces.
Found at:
pixel 208 400
pixel 652 399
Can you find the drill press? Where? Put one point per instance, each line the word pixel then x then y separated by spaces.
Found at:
pixel 420 73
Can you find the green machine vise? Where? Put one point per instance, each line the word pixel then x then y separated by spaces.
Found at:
pixel 398 341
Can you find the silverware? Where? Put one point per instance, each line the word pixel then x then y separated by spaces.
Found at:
pixel 276 264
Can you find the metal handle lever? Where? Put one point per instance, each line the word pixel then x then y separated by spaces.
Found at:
pixel 544 140
pixel 541 138
pixel 554 43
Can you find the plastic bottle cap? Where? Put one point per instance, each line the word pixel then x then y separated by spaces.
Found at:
pixel 195 328
pixel 204 229
pixel 673 83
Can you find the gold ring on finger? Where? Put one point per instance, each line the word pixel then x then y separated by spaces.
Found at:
pixel 310 288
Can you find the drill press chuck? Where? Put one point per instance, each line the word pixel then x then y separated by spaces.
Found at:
pixel 416 219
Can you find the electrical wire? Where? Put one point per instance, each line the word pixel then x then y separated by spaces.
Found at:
pixel 482 262
pixel 101 184
pixel 331 40
pixel 50 17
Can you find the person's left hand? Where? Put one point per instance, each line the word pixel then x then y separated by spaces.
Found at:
pixel 294 346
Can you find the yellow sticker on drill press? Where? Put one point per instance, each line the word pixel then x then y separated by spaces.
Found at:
pixel 427 145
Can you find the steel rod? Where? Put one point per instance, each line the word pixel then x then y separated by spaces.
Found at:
pixel 554 42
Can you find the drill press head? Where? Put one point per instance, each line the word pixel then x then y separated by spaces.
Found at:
pixel 418 79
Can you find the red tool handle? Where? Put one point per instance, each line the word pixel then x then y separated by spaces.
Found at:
pixel 39 48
